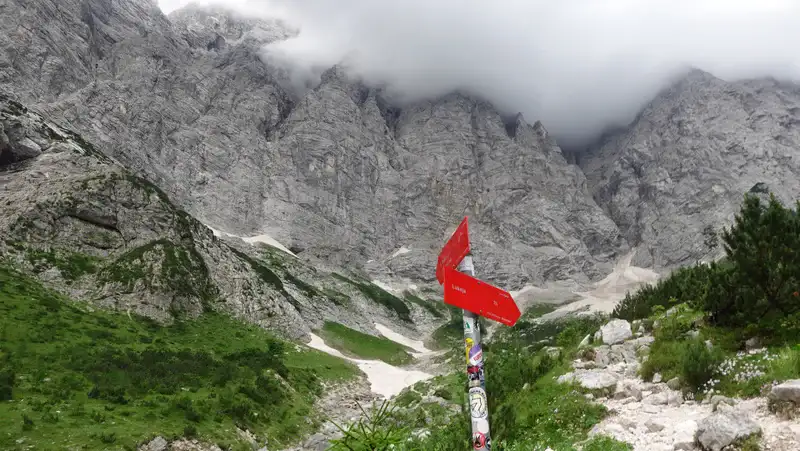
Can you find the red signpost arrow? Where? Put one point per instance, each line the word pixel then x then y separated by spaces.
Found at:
pixel 479 297
pixel 474 297
pixel 454 251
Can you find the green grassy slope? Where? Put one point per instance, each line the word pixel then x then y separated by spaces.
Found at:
pixel 75 377
pixel 360 345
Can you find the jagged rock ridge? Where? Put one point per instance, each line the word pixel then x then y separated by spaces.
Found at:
pixel 86 226
pixel 337 172
pixel 686 161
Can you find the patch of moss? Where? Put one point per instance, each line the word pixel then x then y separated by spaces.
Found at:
pixel 379 295
pixel 336 297
pixel 266 274
pixel 72 265
pixel 365 346
pixel 308 289
pixel 182 269
pixel 434 308
pixel 148 187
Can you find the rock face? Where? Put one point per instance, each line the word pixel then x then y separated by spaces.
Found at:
pixel 190 103
pixel 88 227
pixel 187 102
pixel 680 170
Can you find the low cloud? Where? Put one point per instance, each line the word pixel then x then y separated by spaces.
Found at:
pixel 577 65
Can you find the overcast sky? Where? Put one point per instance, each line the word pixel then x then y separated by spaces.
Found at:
pixel 578 65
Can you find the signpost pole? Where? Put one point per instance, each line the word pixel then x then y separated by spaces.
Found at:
pixel 478 402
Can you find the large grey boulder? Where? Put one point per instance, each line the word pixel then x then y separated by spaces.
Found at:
pixel 592 379
pixel 725 427
pixel 616 331
pixel 787 391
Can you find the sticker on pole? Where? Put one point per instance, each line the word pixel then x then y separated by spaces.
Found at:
pixel 479 408
pixel 454 251
pixel 468 293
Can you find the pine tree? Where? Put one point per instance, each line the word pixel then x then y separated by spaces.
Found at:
pixel 763 244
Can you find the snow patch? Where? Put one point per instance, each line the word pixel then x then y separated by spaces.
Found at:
pixel 263 238
pixel 608 292
pixel 401 251
pixel 268 240
pixel 383 286
pixel 385 380
pixel 400 339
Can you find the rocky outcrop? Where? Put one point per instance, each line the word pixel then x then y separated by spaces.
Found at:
pixel 188 103
pixel 678 173
pixel 214 28
pixel 655 416
pixel 88 227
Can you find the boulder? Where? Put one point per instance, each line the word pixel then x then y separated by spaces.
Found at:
pixel 752 343
pixel 655 424
pixel 602 356
pixel 684 435
pixel 725 427
pixel 591 379
pixel 787 391
pixel 616 331
pixel 674 383
pixel 623 353
pixel 657 399
pixel 674 398
pixel 646 340
pixel 716 400
pixel 157 444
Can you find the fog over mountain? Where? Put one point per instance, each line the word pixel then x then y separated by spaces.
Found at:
pixel 577 65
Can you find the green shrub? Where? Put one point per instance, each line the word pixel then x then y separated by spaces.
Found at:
pixel 676 322
pixel 689 284
pixel 763 244
pixel 7 378
pixel 755 288
pixel 689 359
pixel 374 431
pixel 698 364
pixel 436 309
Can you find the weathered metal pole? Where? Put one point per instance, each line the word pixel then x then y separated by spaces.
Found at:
pixel 478 402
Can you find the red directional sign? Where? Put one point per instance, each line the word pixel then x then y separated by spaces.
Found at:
pixel 469 293
pixel 454 251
